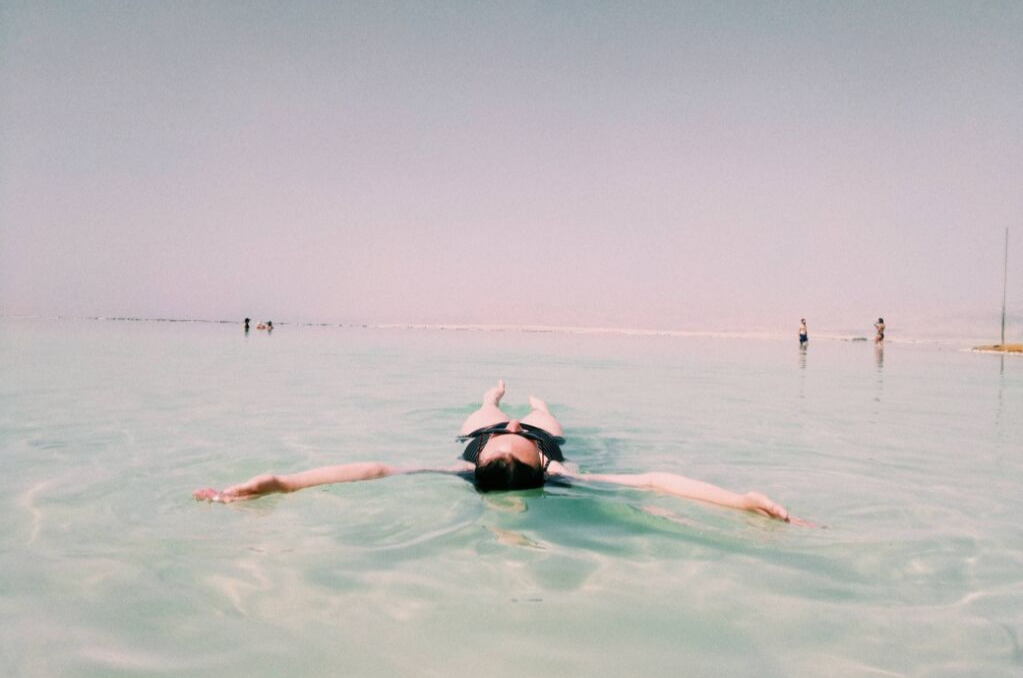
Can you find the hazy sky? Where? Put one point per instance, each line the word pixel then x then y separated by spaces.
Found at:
pixel 676 165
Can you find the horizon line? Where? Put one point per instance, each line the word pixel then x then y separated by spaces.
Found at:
pixel 826 334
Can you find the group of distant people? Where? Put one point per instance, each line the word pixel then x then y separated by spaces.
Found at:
pixel 268 326
pixel 804 335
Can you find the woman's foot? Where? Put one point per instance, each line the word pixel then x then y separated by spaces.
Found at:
pixel 541 417
pixel 494 395
pixel 538 404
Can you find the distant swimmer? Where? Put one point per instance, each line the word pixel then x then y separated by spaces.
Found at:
pixel 505 454
pixel 270 325
pixel 246 326
pixel 803 336
pixel 879 326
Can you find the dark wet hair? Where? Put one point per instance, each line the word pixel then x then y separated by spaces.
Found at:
pixel 880 320
pixel 503 473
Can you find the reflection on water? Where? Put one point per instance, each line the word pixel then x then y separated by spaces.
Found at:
pixel 1001 389
pixel 802 371
pixel 879 366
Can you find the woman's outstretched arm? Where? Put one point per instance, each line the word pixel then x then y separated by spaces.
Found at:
pixel 687 488
pixel 269 484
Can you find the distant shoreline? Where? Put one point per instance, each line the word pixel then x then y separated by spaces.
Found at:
pixel 964 343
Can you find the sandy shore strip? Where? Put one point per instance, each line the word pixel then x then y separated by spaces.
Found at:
pixel 1001 348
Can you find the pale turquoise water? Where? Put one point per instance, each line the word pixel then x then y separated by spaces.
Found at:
pixel 912 459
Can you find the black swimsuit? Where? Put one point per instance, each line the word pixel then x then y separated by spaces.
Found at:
pixel 550 446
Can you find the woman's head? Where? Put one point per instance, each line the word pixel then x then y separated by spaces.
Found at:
pixel 507 473
pixel 509 462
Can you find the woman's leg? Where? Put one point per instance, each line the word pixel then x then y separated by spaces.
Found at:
pixel 489 412
pixel 541 417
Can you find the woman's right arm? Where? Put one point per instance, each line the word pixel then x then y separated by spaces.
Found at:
pixel 270 484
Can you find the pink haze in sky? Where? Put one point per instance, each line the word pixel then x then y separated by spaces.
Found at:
pixel 650 164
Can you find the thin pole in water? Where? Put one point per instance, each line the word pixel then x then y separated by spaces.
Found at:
pixel 1005 282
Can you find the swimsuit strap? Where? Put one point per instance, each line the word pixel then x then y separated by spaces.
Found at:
pixel 482 431
pixel 549 446
pixel 472 451
pixel 535 432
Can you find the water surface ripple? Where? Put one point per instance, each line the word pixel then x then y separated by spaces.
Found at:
pixel 909 456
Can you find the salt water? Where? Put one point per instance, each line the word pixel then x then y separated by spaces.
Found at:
pixel 908 456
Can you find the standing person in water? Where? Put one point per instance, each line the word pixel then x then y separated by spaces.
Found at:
pixel 504 454
pixel 803 336
pixel 246 326
pixel 879 326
